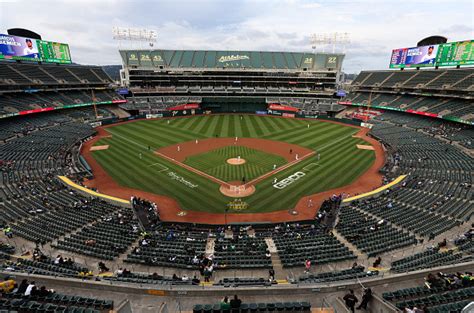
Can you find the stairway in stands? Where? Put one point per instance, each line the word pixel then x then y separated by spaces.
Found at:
pixel 276 262
pixel 117 111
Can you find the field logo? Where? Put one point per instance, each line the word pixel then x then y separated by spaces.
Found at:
pixel 180 179
pixel 237 205
pixel 289 180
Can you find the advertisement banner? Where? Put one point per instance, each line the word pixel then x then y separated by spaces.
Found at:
pixel 18 48
pixel 279 107
pixel 288 115
pixel 424 56
pixel 341 93
pixel 149 116
pixel 274 112
pixel 36 111
pixel 123 91
pixel 422 113
pixel 188 106
pixel 261 112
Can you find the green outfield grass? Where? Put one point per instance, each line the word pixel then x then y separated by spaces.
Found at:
pixel 215 163
pixel 340 164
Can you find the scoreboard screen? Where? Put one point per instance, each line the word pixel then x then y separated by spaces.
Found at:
pixel 28 49
pixel 423 56
pixel 54 52
pixel 456 53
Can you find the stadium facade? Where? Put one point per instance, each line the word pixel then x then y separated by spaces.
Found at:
pixel 228 81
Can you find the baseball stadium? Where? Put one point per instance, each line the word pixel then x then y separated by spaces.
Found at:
pixel 194 180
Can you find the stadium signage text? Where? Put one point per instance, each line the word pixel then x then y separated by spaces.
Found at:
pixel 289 180
pixel 180 179
pixel 230 58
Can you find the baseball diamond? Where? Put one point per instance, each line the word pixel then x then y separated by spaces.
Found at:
pixel 196 149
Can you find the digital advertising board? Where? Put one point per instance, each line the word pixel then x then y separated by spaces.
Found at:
pixel 27 49
pixel 424 56
pixel 456 53
pixel 18 48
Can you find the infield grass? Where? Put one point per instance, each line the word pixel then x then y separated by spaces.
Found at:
pixel 215 163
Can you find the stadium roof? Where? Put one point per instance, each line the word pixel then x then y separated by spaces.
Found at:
pixel 209 59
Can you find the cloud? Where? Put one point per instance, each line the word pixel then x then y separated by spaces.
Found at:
pixel 375 27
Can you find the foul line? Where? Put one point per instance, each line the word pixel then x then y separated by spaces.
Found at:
pixel 192 169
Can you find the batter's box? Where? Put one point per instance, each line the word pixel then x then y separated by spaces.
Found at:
pixel 310 166
pixel 160 166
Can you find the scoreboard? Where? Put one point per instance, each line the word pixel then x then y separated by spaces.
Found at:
pixel 54 51
pixel 28 49
pixel 456 53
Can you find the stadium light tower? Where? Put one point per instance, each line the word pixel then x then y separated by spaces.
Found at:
pixel 325 39
pixel 134 35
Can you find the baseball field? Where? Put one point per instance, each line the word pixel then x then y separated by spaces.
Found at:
pixel 189 159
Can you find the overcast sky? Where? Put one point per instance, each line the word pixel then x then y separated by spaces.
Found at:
pixel 375 27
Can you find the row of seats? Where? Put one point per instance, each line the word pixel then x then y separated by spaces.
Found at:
pixel 370 235
pixel 42 74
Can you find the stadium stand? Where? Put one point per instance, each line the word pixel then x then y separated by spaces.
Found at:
pixel 347 274
pixel 440 293
pixel 370 235
pixel 41 299
pixel 444 92
pixel 297 245
pixel 39 214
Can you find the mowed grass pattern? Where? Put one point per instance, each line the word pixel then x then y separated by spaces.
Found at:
pixel 340 164
pixel 215 163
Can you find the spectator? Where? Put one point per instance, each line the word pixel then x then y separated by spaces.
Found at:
pixel 22 287
pixel 271 274
pixel 58 260
pixel 196 281
pixel 8 231
pixel 102 267
pixel 377 262
pixel 43 292
pixel 350 299
pixel 29 288
pixel 235 303
pixel 225 305
pixel 365 299
pixel 307 265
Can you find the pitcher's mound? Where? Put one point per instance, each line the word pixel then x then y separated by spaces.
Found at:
pixel 236 161
pixel 237 191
